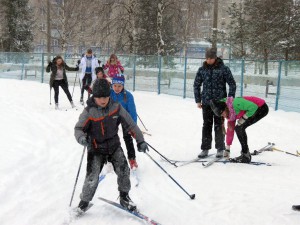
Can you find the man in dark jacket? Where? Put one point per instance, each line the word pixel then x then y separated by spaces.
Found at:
pixel 97 128
pixel 212 76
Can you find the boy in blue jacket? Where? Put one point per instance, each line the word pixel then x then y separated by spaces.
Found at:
pixel 125 98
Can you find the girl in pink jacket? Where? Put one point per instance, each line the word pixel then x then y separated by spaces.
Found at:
pixel 246 110
pixel 113 65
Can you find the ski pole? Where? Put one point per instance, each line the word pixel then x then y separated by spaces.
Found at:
pixel 174 164
pixel 192 196
pixel 142 122
pixel 77 175
pixel 74 83
pixel 276 149
pixel 50 95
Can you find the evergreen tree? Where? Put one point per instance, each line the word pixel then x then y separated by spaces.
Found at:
pixel 237 35
pixel 17 35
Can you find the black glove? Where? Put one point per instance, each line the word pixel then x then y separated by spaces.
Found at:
pixel 50 64
pixel 143 147
pixel 83 141
pixel 99 62
pixel 122 71
pixel 78 61
pixel 77 68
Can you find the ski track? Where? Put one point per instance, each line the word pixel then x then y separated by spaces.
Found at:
pixel 40 159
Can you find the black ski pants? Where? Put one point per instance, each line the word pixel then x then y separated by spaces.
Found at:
pixel 241 129
pixel 210 119
pixel 129 144
pixel 86 82
pixel 63 84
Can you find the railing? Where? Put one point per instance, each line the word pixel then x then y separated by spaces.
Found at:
pixel 279 86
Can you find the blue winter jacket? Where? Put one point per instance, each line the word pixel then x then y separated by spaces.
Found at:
pixel 125 98
pixel 213 78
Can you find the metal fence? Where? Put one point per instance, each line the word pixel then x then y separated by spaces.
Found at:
pixel 278 82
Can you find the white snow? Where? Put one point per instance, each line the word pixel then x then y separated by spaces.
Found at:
pixel 40 158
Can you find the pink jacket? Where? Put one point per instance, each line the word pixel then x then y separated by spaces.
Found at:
pixel 113 69
pixel 233 117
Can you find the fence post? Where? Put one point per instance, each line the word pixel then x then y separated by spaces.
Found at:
pixel 242 77
pixel 184 77
pixel 278 85
pixel 22 72
pixel 134 72
pixel 159 74
pixel 42 71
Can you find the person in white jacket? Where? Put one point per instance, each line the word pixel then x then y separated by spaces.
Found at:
pixel 88 63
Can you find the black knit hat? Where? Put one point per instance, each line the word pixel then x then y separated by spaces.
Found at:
pixel 101 88
pixel 211 53
pixel 217 107
pixel 99 69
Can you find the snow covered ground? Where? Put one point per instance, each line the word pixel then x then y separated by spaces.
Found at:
pixel 40 158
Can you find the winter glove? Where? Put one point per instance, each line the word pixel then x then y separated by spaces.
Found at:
pixel 142 147
pixel 242 120
pixel 122 71
pixel 78 61
pixel 77 68
pixel 99 62
pixel 83 141
pixel 50 64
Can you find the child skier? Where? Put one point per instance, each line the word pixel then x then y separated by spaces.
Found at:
pixel 59 78
pixel 97 129
pixel 246 110
pixel 100 75
pixel 125 98
pixel 113 65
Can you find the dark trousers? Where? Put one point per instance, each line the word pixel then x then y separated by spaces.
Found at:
pixel 64 86
pixel 129 144
pixel 241 130
pixel 210 119
pixel 86 82
pixel 95 163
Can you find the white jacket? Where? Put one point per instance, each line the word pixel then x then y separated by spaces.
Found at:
pixel 82 65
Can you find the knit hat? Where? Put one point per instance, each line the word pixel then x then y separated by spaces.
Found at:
pixel 211 53
pixel 217 107
pixel 118 79
pixel 101 88
pixel 99 69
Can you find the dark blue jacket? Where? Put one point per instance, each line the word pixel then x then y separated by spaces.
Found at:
pixel 125 98
pixel 213 78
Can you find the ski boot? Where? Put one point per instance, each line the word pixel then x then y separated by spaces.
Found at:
pixel 243 158
pixel 126 202
pixel 203 154
pixel 219 154
pixel 296 207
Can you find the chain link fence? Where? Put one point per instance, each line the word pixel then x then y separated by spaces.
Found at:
pixel 278 82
